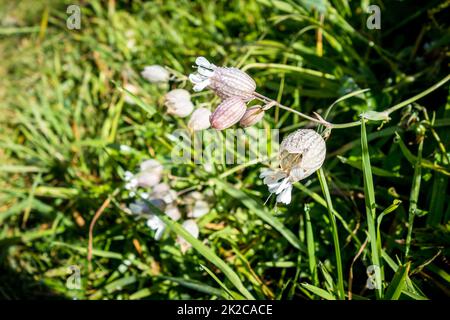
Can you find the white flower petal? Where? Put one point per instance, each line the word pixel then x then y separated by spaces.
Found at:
pixel 202 85
pixel 205 72
pixel 203 62
pixel 196 78
pixel 285 195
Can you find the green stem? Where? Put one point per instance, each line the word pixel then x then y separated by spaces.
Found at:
pixel 334 230
pixel 414 197
pixel 354 123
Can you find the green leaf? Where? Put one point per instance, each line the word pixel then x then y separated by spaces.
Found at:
pixel 204 251
pixel 398 282
pixel 261 212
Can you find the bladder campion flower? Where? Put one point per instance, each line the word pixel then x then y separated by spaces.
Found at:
pixel 226 82
pixel 229 112
pixel 301 154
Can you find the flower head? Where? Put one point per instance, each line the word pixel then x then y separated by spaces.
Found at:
pixel 178 102
pixel 226 82
pixel 301 154
pixel 155 73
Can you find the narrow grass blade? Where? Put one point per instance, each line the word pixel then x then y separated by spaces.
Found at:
pixel 334 231
pixel 261 212
pixel 318 291
pixel 369 197
pixel 311 247
pixel 397 284
pixel 204 251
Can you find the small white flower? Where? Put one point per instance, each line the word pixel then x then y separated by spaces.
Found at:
pixel 151 165
pixel 147 179
pixel 163 191
pixel 178 102
pixel 191 227
pixel 199 209
pixel 173 212
pixel 156 224
pixel 150 173
pixel 200 119
pixel 155 73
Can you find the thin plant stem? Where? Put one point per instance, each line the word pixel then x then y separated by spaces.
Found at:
pixel 329 125
pixel 414 197
pixel 334 231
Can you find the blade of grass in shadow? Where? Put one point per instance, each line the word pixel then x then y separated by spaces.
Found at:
pixel 369 197
pixel 204 251
pixel 397 284
pixel 311 247
pixel 414 197
pixel 318 291
pixel 261 212
pixel 334 231
pixel 231 294
pixel 198 286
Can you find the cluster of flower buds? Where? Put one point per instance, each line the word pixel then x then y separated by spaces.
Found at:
pixel 235 87
pixel 301 154
pixel 150 192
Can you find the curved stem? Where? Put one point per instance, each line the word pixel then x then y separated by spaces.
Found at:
pixel 276 103
pixel 329 125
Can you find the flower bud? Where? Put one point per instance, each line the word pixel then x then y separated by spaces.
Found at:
pixel 229 112
pixel 191 227
pixel 155 73
pixel 150 173
pixel 178 103
pixel 199 119
pixel 226 82
pixel 302 153
pixel 252 116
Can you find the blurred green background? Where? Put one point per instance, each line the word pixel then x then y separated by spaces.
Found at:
pixel 63 118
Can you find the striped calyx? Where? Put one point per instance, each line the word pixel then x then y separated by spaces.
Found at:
pixel 229 112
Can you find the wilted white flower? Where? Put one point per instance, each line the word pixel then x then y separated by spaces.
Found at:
pixel 173 212
pixel 199 209
pixel 150 174
pixel 229 112
pixel 226 82
pixel 199 119
pixel 155 73
pixel 191 227
pixel 301 154
pixel 178 102
pixel 163 191
pixel 133 89
pixel 140 208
